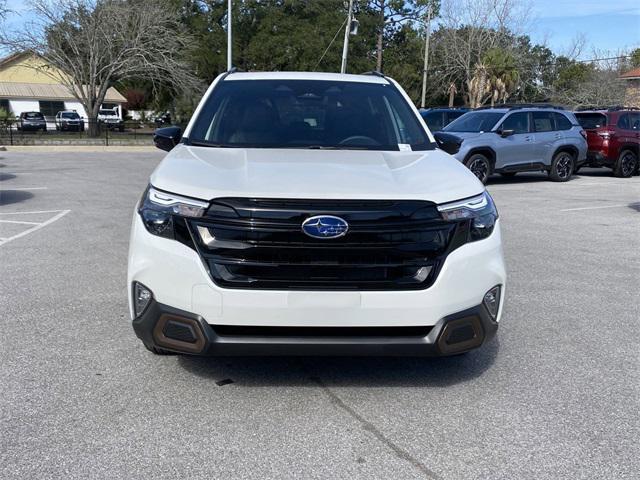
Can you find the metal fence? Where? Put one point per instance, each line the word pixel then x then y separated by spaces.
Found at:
pixel 130 132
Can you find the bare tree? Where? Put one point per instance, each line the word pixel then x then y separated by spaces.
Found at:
pixel 471 28
pixel 92 44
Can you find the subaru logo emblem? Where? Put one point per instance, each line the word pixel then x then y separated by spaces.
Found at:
pixel 325 226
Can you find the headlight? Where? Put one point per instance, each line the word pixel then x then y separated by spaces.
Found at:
pixel 480 210
pixel 158 208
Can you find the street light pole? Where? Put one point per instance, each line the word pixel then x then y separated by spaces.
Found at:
pixel 345 46
pixel 426 59
pixel 229 38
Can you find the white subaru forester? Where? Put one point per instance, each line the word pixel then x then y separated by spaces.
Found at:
pixel 312 214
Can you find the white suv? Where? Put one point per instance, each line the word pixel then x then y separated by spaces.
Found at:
pixel 311 213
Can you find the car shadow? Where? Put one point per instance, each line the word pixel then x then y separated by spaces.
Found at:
pixel 8 197
pixel 6 176
pixel 344 371
pixel 522 177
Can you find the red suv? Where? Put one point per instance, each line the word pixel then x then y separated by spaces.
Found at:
pixel 613 136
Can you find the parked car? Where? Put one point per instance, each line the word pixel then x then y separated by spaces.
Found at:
pixel 316 208
pixel 31 121
pixel 613 135
pixel 509 139
pixel 110 119
pixel 69 120
pixel 163 119
pixel 438 118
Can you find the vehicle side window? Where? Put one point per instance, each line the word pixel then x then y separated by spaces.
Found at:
pixel 433 120
pixel 518 122
pixel 623 121
pixel 543 121
pixel 562 122
pixel 635 121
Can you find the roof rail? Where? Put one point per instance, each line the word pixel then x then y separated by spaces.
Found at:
pixel 516 106
pixel 374 72
pixel 229 72
pixel 620 107
pixel 610 108
pixel 447 107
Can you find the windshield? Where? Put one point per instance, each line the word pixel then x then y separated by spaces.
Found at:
pixel 591 120
pixel 71 115
pixel 108 112
pixel 33 115
pixel 474 122
pixel 308 114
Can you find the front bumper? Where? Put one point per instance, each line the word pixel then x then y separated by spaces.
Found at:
pixel 182 285
pixel 183 332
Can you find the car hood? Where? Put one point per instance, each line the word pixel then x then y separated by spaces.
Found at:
pixel 208 173
pixel 464 135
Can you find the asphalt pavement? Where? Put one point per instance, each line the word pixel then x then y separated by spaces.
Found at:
pixel 556 395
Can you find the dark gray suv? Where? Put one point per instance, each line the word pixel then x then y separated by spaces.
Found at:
pixel 517 138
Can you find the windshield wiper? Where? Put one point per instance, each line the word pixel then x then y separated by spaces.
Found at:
pixel 196 143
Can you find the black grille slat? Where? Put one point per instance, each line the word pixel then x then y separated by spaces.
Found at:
pixel 389 245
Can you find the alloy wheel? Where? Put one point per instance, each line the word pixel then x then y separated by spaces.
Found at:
pixel 480 169
pixel 628 164
pixel 564 166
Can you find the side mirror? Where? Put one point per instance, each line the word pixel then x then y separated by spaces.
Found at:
pixel 505 133
pixel 166 138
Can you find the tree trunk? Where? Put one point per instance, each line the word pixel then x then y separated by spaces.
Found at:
pixel 380 38
pixel 93 129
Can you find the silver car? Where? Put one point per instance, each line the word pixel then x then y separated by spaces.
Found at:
pixel 518 138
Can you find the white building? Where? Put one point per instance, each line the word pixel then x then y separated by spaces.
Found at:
pixel 28 85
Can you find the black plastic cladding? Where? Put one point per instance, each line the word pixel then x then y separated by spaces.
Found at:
pixel 388 242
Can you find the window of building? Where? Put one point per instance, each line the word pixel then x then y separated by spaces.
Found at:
pixel 4 105
pixel 50 108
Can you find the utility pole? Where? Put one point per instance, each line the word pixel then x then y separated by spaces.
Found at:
pixel 426 59
pixel 229 38
pixel 345 46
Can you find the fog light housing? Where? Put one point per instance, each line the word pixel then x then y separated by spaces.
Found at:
pixel 141 298
pixel 491 301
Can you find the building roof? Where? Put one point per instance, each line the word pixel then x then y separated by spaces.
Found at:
pixel 631 74
pixel 49 92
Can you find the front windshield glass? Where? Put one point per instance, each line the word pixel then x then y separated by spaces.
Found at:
pixel 34 115
pixel 107 112
pixel 474 122
pixel 308 114
pixel 70 115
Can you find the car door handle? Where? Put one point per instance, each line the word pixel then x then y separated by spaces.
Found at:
pixel 527 138
pixel 558 135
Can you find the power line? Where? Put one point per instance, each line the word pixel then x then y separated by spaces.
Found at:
pixel 330 43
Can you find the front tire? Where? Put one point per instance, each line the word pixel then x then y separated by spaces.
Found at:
pixel 480 166
pixel 626 165
pixel 562 167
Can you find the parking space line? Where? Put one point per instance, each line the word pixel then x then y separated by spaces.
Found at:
pixel 30 213
pixel 36 227
pixel 598 208
pixel 18 221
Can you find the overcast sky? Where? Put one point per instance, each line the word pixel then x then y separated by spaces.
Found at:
pixel 607 25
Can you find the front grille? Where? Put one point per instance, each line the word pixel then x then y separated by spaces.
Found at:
pixel 260 244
